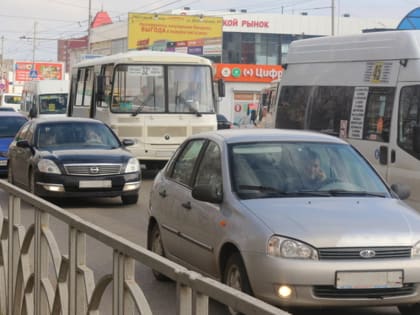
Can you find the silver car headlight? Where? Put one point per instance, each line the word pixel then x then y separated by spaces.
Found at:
pixel 133 166
pixel 48 166
pixel 415 252
pixel 289 248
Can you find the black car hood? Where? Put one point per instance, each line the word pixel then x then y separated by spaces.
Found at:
pixel 117 155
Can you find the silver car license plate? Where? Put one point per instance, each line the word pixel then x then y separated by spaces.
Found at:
pixel 95 184
pixel 369 279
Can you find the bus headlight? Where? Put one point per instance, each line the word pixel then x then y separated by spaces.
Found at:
pixel 133 166
pixel 415 252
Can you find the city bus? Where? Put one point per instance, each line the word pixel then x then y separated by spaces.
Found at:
pixel 364 88
pixel 155 98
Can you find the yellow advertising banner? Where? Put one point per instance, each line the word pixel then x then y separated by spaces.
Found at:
pixel 193 34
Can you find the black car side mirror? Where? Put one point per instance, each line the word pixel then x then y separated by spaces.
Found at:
pixel 23 144
pixel 402 190
pixel 208 193
pixel 127 142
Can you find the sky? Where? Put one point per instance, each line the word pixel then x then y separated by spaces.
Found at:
pixel 49 20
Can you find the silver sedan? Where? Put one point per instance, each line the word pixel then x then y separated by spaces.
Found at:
pixel 295 218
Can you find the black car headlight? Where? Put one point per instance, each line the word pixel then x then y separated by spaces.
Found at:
pixel 133 166
pixel 48 166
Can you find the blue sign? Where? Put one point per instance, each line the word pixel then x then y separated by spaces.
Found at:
pixel 33 74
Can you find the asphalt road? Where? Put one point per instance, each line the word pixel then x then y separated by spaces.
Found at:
pixel 130 223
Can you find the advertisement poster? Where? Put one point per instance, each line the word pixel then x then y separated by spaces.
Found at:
pixel 245 105
pixel 41 71
pixel 198 35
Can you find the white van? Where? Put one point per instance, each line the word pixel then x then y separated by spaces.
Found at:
pixel 45 98
pixel 10 100
pixel 364 88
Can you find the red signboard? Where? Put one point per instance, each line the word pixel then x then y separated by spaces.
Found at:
pixel 248 72
pixel 43 70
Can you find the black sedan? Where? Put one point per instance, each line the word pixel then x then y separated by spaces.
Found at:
pixel 223 122
pixel 73 157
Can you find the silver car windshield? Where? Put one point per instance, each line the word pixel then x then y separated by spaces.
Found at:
pixel 276 169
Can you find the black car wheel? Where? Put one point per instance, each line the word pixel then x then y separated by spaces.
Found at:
pixel 32 183
pixel 130 199
pixel 235 276
pixel 156 246
pixel 10 174
pixel 409 309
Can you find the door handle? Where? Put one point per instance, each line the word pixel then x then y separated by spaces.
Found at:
pixel 187 205
pixel 162 193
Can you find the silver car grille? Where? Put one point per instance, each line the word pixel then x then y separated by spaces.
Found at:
pixel 93 169
pixel 356 253
pixel 331 292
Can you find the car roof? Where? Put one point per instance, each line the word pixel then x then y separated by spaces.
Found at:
pixel 11 114
pixel 266 134
pixel 64 119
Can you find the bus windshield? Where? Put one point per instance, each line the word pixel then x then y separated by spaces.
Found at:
pixel 53 103
pixel 162 89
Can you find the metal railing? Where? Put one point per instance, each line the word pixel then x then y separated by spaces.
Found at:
pixel 30 285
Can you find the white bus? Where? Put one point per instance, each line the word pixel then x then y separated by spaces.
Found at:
pixel 364 88
pixel 45 98
pixel 155 98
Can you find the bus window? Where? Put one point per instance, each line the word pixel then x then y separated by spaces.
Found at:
pixel 378 114
pixel 138 88
pixel 188 91
pixel 408 117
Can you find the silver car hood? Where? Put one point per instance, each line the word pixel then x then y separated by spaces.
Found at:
pixel 340 221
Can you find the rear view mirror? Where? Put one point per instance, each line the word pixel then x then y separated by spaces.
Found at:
pixel 402 190
pixel 208 193
pixel 221 89
pixel 127 142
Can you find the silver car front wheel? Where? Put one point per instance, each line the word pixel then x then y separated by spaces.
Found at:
pixel 156 246
pixel 236 277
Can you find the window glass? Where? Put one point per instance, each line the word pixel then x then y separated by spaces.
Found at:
pixel 107 73
pixel 9 126
pixel 210 170
pixel 184 164
pixel 329 106
pixel 89 86
pixel 22 133
pixel 378 114
pixel 408 117
pixel 190 89
pixel 80 87
pixel 263 170
pixel 292 106
pixel 139 88
pixel 53 103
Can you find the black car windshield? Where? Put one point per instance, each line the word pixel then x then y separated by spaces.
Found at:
pixel 62 135
pixel 9 126
pixel 302 169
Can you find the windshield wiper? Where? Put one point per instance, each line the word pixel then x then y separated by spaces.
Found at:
pixel 138 110
pixel 263 189
pixel 340 192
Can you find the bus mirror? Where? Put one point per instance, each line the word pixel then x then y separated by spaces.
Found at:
pixel 416 139
pixel 33 112
pixel 221 88
pixel 100 88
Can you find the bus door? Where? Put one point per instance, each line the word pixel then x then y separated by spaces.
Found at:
pixel 403 157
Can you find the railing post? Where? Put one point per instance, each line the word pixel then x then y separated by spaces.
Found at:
pixel 14 218
pixel 129 272
pixel 201 304
pixel 184 299
pixel 118 283
pixel 41 262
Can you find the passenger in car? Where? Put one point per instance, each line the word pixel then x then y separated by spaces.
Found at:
pixel 313 171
